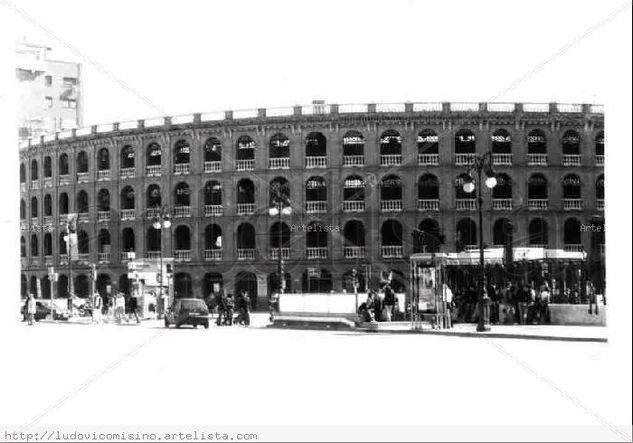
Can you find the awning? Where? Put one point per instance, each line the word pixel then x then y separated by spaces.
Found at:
pixel 495 256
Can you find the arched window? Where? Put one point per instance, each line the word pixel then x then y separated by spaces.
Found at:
pixel 63 164
pixel 82 202
pixel 182 236
pixel 316 195
pixel 182 152
pixel 128 157
pixel 537 187
pixel 537 142
pixel 22 173
pixel 212 150
pixel 34 207
pixel 63 203
pixel 279 146
pixel 183 285
pixel 428 142
pixel 353 149
pixel 245 191
pixel 571 143
pixel 354 238
pixel 572 234
pixel 502 232
pixel 82 286
pixel 213 195
pixel 245 237
pixel 212 282
pixel 182 195
pixel 34 246
pixel 103 240
pixel 571 187
pixel 245 148
pixel 103 200
pixel 537 233
pixel 62 243
pixel 600 143
pixel 154 155
pixel 428 187
pixel 391 190
pixel 48 167
pixel 128 240
pixel 391 239
pixel 390 143
pixel 316 145
pixel 279 189
pixel 154 239
pixel 103 159
pixel 503 189
pixel 501 142
pixel 213 237
pixel 154 199
pixel 354 193
pixel 48 206
pixel 466 234
pixel 34 170
pixel 460 194
pixel 82 162
pixel 22 246
pixel 600 187
pixel 83 242
pixel 428 237
pixel 316 237
pixel 22 209
pixel 465 142
pixel 127 198
pixel 279 238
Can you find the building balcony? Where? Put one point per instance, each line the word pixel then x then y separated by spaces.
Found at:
pixel 599 160
pixel 48 182
pixel 245 165
pixel 128 214
pixel 124 256
pixel 104 174
pixel 428 159
pixel 83 217
pixel 353 160
pixel 537 159
pixel 573 248
pixel 502 204
pixel 213 166
pixel 213 254
pixel 285 253
pixel 182 211
pixel 48 220
pixel 35 184
pixel 279 163
pixel 538 245
pixel 316 162
pixel 354 251
pixel 152 212
pixel 353 205
pixel 129 172
pixel 464 159
pixel 391 205
pixel 572 204
pixel 64 180
pixel 571 160
pixel 103 257
pixel 182 254
pixel 391 251
pixel 538 204
pixel 181 168
pixel 48 260
pixel 245 208
pixel 103 216
pixel 316 252
pixel 502 159
pixel 83 177
pixel 600 204
pixel 428 204
pixel 391 160
pixel 246 253
pixel 316 207
pixel 153 170
pixel 466 204
pixel 153 255
pixel 212 210
pixel 83 257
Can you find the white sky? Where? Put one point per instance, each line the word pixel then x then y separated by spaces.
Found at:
pixel 192 56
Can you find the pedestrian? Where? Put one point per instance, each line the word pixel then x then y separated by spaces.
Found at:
pixel 448 305
pixel 69 304
pixel 544 304
pixel 377 306
pixel 228 306
pixel 97 305
pixel 119 308
pixel 247 309
pixel 219 306
pixel 133 306
pixel 31 308
pixel 389 302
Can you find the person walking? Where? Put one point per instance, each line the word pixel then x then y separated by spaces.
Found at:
pixel 219 306
pixel 247 309
pixel 97 306
pixel 228 314
pixel 134 308
pixel 119 308
pixel 31 308
pixel 544 317
pixel 389 302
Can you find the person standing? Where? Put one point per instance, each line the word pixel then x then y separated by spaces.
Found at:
pixel 247 309
pixel 389 302
pixel 448 305
pixel 134 308
pixel 97 306
pixel 544 304
pixel 219 306
pixel 31 308
pixel 228 314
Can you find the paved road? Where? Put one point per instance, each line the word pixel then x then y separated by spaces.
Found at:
pixel 134 374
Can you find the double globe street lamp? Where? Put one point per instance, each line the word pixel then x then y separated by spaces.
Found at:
pixel 161 221
pixel 481 168
pixel 281 206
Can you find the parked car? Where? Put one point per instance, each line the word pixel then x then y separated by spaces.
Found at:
pixel 41 311
pixel 187 311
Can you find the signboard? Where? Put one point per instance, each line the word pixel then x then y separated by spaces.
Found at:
pixel 425 282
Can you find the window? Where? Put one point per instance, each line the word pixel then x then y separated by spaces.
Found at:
pixel 70 104
pixel 70 81
pixel 48 102
pixel 48 80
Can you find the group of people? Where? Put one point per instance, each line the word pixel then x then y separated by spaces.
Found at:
pixel 226 306
pixel 379 307
pixel 116 307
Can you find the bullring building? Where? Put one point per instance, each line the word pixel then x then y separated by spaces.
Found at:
pixel 351 182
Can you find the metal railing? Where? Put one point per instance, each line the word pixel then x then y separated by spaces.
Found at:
pixel 353 205
pixel 538 204
pixel 391 251
pixel 316 252
pixel 354 251
pixel 279 163
pixel 391 160
pixel 152 255
pixel 428 159
pixel 316 162
pixel 428 205
pixel 391 205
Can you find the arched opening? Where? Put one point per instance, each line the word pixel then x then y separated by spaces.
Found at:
pixel 127 198
pixel 537 187
pixel 390 147
pixel 22 209
pixel 571 187
pixel 212 150
pixel 46 287
pixel 103 159
pixel 48 167
pixel 212 283
pixel 537 142
pixel 48 244
pixel 245 154
pixel 600 188
pixel 502 232
pixel 503 189
pixel 182 195
pixel 128 157
pixel 572 234
pixel 571 143
pixel 247 281
pixel 279 188
pixel 465 142
pixel 316 145
pixel 34 207
pixel 466 234
pixel 104 242
pixel 63 203
pixel 279 146
pixel 391 238
pixel 391 193
pixel 316 237
pixel 428 187
pixel 154 240
pixel 354 193
pixel 83 242
pixel 182 152
pixel 428 142
pixel 48 206
pixel 23 286
pixel 62 286
pixel 82 202
pixel 246 237
pixel 428 237
pixel 317 280
pixel 63 164
pixel 153 195
pixel 34 170
pixel 128 240
pixel 154 155
pixel 103 200
pixel 82 162
pixel 22 173
pixel 501 142
pixel 352 277
pixel 599 145
pixel 213 193
pixel 82 286
pixel 103 282
pixel 245 192
pixel 537 233
pixel 279 238
pixel 353 149
pixel 316 194
pixel 182 237
pixel 460 193
pixel 34 246
pixel 354 238
pixel 62 243
pixel 22 246
pixel 212 237
pixel 33 285
pixel 124 284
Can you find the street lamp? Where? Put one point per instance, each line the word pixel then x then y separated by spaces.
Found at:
pixel 281 207
pixel 162 220
pixel 482 165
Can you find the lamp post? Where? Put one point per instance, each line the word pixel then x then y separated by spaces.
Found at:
pixel 281 206
pixel 163 220
pixel 482 164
